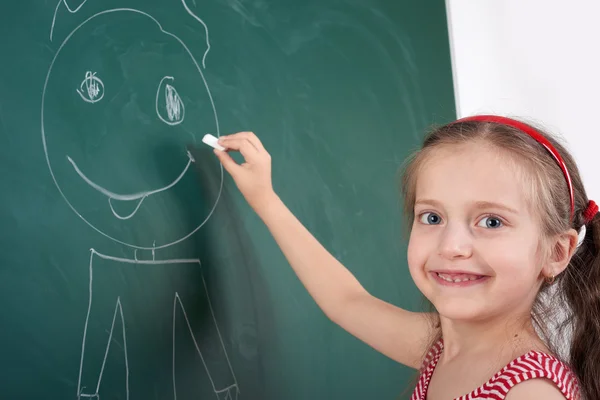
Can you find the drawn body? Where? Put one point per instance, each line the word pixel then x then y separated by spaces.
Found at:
pixel 166 316
pixel 99 156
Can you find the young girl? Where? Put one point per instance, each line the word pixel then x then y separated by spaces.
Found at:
pixel 503 236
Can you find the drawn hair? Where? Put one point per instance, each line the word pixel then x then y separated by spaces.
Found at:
pixel 568 309
pixel 73 10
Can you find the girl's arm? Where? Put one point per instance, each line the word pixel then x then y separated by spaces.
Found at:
pixel 401 335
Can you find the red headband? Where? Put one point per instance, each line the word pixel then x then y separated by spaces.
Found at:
pixel 592 209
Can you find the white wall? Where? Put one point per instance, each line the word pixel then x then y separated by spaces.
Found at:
pixel 537 59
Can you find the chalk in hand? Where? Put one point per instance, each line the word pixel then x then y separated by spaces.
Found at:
pixel 212 142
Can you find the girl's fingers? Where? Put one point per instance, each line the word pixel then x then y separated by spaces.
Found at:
pixel 247 149
pixel 228 163
pixel 249 136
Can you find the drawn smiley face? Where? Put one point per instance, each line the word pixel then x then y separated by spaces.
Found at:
pixel 122 99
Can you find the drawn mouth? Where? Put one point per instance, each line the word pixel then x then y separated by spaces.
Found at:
pixel 135 197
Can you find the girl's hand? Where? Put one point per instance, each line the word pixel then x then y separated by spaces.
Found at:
pixel 253 177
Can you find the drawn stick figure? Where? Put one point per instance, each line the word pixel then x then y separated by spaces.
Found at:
pixel 118 109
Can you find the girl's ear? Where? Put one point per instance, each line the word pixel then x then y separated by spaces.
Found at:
pixel 563 247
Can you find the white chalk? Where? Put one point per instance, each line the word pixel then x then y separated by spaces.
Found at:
pixel 212 142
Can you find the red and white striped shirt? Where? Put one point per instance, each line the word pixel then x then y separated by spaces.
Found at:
pixel 528 366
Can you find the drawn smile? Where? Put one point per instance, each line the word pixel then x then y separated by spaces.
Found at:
pixel 139 197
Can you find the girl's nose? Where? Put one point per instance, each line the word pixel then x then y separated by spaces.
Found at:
pixel 456 242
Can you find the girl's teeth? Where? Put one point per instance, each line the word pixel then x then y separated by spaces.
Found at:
pixel 457 280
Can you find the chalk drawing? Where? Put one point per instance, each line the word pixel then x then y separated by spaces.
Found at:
pixel 118 309
pixel 187 9
pixel 137 196
pixel 205 31
pixel 72 11
pixel 173 103
pixel 91 89
pixel 229 392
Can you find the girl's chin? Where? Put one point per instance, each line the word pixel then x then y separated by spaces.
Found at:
pixel 466 310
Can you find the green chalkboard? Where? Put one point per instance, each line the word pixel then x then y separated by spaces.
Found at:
pixel 130 266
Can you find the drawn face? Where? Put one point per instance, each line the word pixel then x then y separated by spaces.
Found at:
pixel 122 101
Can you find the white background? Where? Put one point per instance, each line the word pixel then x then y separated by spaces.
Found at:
pixel 535 59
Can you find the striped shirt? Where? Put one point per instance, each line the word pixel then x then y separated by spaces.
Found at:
pixel 528 366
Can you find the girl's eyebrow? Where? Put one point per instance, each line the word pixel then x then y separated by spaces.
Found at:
pixel 490 204
pixel 478 205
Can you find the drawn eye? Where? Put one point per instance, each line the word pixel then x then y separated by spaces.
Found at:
pixel 91 89
pixel 169 107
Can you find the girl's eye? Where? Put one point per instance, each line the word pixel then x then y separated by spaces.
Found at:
pixel 490 222
pixel 430 218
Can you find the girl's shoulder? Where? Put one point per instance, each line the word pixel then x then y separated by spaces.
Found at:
pixel 532 365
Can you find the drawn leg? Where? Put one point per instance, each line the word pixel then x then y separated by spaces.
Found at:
pixel 232 391
pixel 81 395
pixel 118 309
pixel 84 392
pixel 225 392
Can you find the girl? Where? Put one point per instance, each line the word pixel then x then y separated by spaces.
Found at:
pixel 498 242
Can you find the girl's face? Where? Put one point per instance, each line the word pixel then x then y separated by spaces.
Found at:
pixel 474 248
